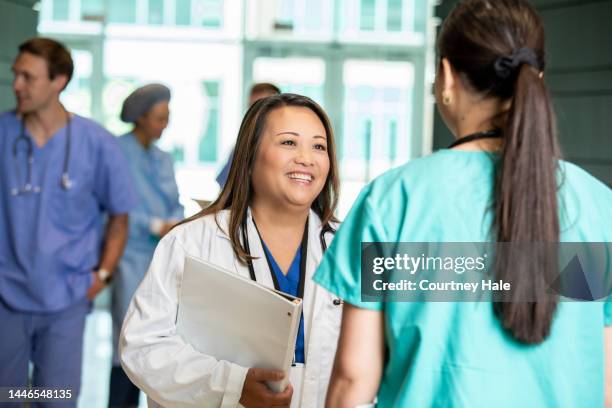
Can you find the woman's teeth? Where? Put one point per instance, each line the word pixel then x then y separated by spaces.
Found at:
pixel 301 176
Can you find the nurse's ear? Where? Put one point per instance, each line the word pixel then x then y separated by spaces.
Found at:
pixel 59 83
pixel 448 82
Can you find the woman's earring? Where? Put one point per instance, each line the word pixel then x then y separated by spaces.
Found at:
pixel 446 99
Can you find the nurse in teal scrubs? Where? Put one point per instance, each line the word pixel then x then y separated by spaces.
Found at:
pixel 500 181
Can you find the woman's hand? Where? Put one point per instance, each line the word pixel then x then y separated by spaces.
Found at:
pixel 256 394
pixel 166 228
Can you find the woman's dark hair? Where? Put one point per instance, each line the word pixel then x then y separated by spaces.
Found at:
pixel 497 48
pixel 238 191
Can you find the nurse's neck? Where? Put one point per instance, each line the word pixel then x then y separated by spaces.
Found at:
pixel 44 122
pixel 144 140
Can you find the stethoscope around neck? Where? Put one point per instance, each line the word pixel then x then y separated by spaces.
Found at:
pixel 28 186
pixel 324 230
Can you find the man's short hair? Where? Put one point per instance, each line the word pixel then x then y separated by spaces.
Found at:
pixel 57 56
pixel 265 87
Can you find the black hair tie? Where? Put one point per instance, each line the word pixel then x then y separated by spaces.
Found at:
pixel 507 66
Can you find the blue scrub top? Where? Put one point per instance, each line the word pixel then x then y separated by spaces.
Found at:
pixel 51 241
pixel 224 173
pixel 152 171
pixel 289 284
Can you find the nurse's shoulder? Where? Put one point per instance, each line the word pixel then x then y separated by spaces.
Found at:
pixel 9 125
pixel 579 178
pixel 585 203
pixel 90 129
pixel 9 116
pixel 93 138
pixel 126 140
pixel 428 176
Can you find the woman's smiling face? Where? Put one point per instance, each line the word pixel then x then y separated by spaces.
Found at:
pixel 292 162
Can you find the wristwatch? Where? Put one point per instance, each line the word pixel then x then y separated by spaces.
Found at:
pixel 104 276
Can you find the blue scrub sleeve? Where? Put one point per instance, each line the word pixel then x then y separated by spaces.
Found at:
pixel 140 222
pixel 177 212
pixel 340 270
pixel 113 183
pixel 222 176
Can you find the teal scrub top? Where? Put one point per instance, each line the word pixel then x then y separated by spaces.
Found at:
pixel 456 354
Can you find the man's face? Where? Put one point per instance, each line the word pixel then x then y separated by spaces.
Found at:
pixel 33 88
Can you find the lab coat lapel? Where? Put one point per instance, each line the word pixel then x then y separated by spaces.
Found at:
pixel 314 254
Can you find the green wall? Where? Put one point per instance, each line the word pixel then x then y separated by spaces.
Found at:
pixel 579 76
pixel 17 22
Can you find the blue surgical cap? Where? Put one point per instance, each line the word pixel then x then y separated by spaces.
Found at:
pixel 142 100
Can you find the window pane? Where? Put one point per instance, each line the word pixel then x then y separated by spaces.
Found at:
pixel 207 13
pixel 92 8
pixel 313 20
pixel 394 15
pixel 60 10
pixel 392 145
pixel 122 11
pixel 183 12
pixel 360 131
pixel 208 142
pixel 115 90
pixel 77 96
pixel 368 15
pixel 178 154
pixel 304 76
pixel 156 11
pixel 377 122
pixel 284 14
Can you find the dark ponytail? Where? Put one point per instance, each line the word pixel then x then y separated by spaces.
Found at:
pixel 526 209
pixel 498 48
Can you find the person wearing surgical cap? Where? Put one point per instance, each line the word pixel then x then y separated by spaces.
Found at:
pixel 159 210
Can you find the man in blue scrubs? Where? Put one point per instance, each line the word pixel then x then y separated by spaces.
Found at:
pixel 59 175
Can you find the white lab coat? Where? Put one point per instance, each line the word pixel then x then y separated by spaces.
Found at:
pixel 170 371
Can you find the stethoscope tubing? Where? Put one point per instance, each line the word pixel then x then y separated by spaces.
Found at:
pixel 65 182
pixel 324 230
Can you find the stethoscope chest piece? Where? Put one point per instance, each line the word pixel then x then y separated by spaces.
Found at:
pixel 66 183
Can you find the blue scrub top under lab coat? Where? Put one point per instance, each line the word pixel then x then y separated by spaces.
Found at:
pixel 51 241
pixel 289 284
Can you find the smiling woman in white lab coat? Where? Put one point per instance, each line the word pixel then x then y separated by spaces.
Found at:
pixel 272 222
